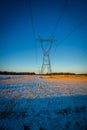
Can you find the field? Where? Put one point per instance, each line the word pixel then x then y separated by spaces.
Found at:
pixel 38 102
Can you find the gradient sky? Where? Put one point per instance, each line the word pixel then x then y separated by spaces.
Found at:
pixel 20 52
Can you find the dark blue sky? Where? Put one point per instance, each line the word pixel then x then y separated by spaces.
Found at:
pixel 18 49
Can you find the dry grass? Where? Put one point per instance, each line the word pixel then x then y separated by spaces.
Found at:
pixel 15 80
pixel 52 78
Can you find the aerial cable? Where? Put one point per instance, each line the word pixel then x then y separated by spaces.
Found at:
pixel 32 21
pixel 69 34
pixel 59 18
pixel 33 29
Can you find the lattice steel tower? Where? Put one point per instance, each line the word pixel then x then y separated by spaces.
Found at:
pixel 46 64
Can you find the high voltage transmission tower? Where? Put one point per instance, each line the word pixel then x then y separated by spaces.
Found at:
pixel 46 64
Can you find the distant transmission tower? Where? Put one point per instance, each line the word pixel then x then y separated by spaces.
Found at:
pixel 46 64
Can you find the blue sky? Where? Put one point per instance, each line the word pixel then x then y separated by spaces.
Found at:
pixel 19 50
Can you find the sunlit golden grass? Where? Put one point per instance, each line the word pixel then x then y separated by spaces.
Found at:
pixel 66 78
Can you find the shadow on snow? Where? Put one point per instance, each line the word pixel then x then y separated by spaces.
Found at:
pixel 66 113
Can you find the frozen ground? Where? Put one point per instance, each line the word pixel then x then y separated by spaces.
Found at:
pixel 37 103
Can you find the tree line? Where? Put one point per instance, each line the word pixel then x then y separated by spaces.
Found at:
pixel 16 73
pixel 33 73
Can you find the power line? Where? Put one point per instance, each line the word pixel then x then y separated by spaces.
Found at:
pixel 59 18
pixel 32 21
pixel 83 21
pixel 69 34
pixel 34 33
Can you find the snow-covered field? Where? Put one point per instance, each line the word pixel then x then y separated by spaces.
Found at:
pixel 43 103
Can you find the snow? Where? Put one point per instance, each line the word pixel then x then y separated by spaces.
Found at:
pixel 34 103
